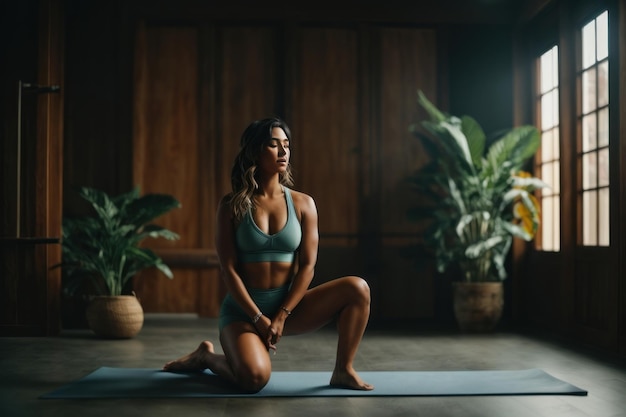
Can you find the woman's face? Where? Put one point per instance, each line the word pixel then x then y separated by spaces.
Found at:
pixel 274 157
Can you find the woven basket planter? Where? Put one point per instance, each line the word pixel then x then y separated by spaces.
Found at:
pixel 115 317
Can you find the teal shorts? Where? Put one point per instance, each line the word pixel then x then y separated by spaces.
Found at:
pixel 268 301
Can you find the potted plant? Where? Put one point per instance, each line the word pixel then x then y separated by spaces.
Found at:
pixel 102 252
pixel 476 198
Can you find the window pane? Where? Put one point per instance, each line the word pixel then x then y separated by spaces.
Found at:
pixel 589 132
pixel 555 108
pixel 547 145
pixel 589 44
pixel 556 224
pixel 603 84
pixel 589 90
pixel 602 22
pixel 556 185
pixel 603 126
pixel 547 110
pixel 547 174
pixel 546 73
pixel 555 142
pixel 590 170
pixel 604 226
pixel 555 66
pixel 603 167
pixel 547 219
pixel 590 218
pixel 549 70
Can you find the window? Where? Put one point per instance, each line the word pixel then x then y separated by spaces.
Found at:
pixel 593 128
pixel 548 165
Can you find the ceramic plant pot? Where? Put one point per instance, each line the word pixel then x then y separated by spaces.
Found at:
pixel 478 305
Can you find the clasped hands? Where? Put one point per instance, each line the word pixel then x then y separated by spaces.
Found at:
pixel 270 331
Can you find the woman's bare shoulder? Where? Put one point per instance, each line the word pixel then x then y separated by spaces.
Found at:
pixel 302 200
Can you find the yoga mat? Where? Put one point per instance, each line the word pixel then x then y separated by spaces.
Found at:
pixel 108 382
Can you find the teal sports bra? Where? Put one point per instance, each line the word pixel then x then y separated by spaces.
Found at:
pixel 254 245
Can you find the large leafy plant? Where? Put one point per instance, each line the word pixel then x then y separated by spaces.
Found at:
pixel 104 249
pixel 474 193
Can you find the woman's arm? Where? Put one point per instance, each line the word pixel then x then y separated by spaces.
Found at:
pixel 227 254
pixel 307 254
pixel 307 258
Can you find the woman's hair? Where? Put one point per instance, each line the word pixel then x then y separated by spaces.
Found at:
pixel 243 174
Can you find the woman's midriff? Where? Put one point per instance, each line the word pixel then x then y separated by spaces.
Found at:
pixel 266 275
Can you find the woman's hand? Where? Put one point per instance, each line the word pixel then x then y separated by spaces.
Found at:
pixel 275 331
pixel 271 331
pixel 267 332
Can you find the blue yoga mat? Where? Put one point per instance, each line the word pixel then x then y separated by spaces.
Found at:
pixel 108 382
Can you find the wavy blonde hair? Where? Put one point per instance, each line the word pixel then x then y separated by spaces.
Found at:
pixel 243 174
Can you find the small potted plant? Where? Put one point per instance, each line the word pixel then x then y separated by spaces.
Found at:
pixel 476 198
pixel 102 252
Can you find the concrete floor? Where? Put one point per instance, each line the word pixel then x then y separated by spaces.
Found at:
pixel 34 366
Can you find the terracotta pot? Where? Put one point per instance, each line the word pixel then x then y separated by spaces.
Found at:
pixel 115 317
pixel 478 305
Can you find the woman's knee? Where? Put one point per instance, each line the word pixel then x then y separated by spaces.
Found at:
pixel 359 288
pixel 253 379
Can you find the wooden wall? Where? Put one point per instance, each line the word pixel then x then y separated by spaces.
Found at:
pixel 159 96
pixel 349 94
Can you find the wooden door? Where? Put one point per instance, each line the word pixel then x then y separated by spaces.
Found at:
pixel 30 219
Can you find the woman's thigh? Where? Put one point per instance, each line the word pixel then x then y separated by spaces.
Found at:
pixel 321 304
pixel 246 353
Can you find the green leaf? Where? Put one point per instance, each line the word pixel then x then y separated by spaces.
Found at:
pixel 514 148
pixel 529 184
pixel 475 137
pixel 433 111
pixel 149 207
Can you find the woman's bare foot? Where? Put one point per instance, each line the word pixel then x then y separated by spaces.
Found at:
pixel 349 379
pixel 198 360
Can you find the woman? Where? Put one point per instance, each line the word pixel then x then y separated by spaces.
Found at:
pixel 267 241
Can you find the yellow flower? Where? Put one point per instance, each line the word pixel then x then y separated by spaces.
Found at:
pixel 528 219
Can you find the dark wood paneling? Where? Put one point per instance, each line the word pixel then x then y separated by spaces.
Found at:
pixel 593 278
pixel 49 165
pixel 248 68
pixel 326 145
pixel 539 284
pixel 408 62
pixel 98 94
pixel 18 279
pixel 166 152
pixel 596 298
